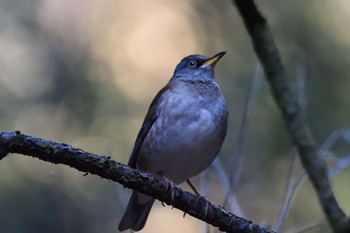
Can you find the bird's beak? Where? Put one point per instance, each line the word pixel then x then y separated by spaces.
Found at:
pixel 214 59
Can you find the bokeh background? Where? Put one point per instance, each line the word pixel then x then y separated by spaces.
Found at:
pixel 84 72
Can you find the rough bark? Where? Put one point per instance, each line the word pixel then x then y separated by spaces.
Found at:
pixel 105 167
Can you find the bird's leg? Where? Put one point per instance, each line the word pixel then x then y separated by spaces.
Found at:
pixel 199 196
pixel 193 188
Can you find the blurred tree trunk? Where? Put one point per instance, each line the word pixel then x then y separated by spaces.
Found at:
pixel 292 114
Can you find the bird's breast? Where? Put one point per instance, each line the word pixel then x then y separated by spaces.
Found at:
pixel 187 135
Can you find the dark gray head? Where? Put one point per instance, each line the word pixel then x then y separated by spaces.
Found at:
pixel 197 67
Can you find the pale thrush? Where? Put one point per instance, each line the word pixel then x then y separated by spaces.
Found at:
pixel 182 132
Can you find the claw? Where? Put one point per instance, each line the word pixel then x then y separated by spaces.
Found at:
pixel 206 208
pixel 170 185
pixel 199 196
pixel 172 191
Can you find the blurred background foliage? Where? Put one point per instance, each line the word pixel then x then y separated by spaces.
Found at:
pixel 84 72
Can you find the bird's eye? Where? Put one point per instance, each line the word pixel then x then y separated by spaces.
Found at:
pixel 192 63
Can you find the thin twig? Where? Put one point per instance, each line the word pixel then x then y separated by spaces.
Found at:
pixel 302 77
pixel 341 165
pixel 219 170
pixel 343 133
pixel 284 210
pixel 248 112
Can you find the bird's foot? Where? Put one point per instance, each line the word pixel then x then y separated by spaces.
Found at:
pixel 206 207
pixel 199 196
pixel 170 188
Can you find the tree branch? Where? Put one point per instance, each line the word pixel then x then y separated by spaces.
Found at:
pixel 297 127
pixel 60 153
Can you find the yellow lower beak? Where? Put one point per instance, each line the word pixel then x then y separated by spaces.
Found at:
pixel 214 59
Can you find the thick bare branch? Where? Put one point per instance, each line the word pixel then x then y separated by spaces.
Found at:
pixel 297 127
pixel 60 153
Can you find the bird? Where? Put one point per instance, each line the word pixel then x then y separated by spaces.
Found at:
pixel 182 133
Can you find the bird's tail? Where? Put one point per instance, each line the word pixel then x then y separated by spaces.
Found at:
pixel 137 211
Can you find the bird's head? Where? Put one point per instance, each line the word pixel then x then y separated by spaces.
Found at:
pixel 197 66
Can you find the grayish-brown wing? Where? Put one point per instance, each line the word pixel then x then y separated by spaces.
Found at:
pixel 149 120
